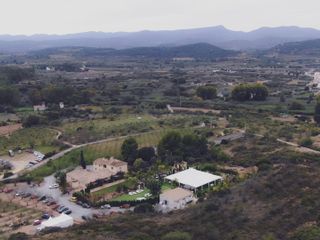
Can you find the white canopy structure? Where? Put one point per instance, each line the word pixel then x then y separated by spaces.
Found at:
pixel 193 179
pixel 62 221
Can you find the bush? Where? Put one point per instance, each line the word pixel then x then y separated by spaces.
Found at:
pixel 144 208
pixel 177 235
pixel 306 142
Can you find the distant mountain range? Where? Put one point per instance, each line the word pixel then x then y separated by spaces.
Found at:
pixel 262 38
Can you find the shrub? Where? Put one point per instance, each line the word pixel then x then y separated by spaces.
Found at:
pixel 177 235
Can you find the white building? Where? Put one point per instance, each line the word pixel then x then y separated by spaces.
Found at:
pixel 193 179
pixel 39 108
pixel 62 221
pixel 175 199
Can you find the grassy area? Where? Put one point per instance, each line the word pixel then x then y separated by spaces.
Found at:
pixel 39 138
pixel 86 131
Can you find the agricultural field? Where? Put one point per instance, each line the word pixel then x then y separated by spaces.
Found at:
pixel 92 130
pixel 41 139
pixel 12 215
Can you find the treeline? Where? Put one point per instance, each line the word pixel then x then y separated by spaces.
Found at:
pixel 9 96
pixel 67 94
pixel 250 91
pixel 12 75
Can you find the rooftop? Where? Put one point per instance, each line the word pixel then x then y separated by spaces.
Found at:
pixel 193 178
pixel 85 176
pixel 176 194
pixel 109 161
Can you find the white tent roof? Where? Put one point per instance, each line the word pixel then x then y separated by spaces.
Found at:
pixel 61 221
pixel 193 178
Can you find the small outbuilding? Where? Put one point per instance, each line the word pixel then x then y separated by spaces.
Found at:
pixel 62 221
pixel 174 199
pixel 193 179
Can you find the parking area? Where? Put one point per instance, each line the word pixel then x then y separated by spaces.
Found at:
pixel 47 198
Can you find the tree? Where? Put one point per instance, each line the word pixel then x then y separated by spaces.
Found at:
pixel 170 146
pixel 193 145
pixel 129 150
pixel 154 186
pixel 146 153
pixel 317 113
pixel 61 180
pixel 250 91
pixel 207 92
pixel 82 161
pixel 31 120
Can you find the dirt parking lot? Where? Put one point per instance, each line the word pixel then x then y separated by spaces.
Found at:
pixel 19 161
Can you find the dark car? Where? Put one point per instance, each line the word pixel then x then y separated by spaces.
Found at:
pixel 68 212
pixel 45 216
pixel 86 205
pixel 60 208
pixel 63 210
pixel 42 198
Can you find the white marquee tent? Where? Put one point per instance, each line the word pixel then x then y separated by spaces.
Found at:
pixel 193 179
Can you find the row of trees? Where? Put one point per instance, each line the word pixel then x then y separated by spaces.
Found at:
pixel 250 91
pixel 66 94
pixel 173 147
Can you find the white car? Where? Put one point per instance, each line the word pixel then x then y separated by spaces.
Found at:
pixel 53 186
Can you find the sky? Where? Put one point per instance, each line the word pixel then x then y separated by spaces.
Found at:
pixel 71 16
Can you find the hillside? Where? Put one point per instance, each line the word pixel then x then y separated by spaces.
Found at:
pixel 278 203
pixel 311 48
pixel 196 51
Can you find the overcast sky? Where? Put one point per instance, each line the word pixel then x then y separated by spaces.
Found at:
pixel 70 16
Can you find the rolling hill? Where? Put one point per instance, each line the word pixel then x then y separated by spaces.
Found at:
pixel 309 48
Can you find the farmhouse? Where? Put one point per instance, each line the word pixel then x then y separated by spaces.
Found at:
pixel 111 164
pixel 101 169
pixel 193 179
pixel 175 199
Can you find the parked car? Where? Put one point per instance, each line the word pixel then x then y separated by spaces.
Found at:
pixel 42 198
pixel 125 206
pixel 68 212
pixel 54 186
pixel 50 203
pixel 60 208
pixel 45 216
pixel 8 190
pixel 73 199
pixel 63 210
pixel 106 206
pixel 36 222
pixel 86 205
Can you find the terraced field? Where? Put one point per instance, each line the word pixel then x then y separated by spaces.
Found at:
pixel 12 214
